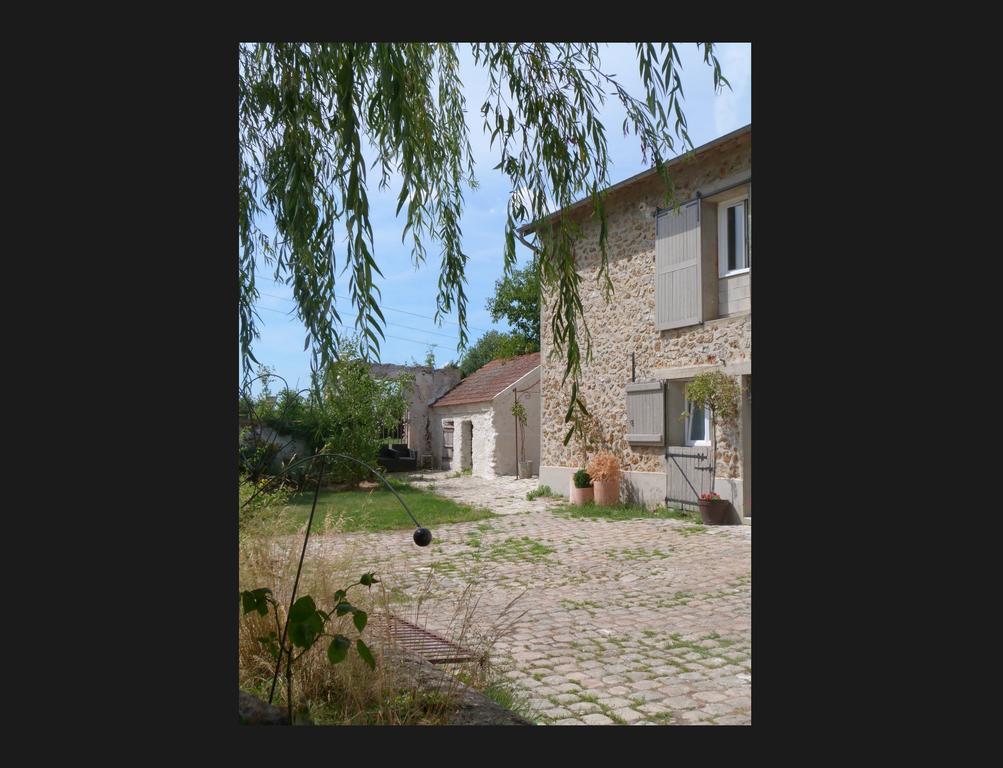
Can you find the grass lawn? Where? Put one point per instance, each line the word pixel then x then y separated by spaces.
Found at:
pixel 376 510
pixel 627 512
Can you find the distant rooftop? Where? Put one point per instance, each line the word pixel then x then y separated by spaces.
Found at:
pixel 393 369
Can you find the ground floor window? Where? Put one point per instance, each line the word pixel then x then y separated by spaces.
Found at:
pixel 698 425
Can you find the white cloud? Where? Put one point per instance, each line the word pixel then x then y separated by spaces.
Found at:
pixel 526 197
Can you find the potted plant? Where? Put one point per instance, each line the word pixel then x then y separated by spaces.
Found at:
pixel 581 488
pixel 525 465
pixel 604 468
pixel 713 509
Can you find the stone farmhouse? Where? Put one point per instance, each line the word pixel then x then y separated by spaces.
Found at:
pixel 682 305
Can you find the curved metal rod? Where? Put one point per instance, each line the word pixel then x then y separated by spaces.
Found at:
pixel 246 390
pixel 326 454
pixel 259 424
pixel 256 420
pixel 306 538
pixel 292 601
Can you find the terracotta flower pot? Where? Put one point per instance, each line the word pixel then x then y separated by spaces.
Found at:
pixel 580 496
pixel 607 491
pixel 714 512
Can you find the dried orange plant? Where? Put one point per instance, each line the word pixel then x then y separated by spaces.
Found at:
pixel 604 466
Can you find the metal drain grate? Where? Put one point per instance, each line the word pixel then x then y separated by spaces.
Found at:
pixel 425 643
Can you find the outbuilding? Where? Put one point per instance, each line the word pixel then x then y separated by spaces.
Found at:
pixel 475 426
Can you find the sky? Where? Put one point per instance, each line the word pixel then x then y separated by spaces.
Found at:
pixel 408 301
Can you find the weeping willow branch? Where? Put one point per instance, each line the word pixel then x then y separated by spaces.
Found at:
pixel 305 109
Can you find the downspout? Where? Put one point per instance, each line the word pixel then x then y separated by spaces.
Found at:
pixel 529 245
pixel 514 390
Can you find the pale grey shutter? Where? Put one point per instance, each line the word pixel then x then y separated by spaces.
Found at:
pixel 677 268
pixel 645 413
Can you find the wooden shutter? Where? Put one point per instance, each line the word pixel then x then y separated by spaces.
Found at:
pixel 677 268
pixel 645 413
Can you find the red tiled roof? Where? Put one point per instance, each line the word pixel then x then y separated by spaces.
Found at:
pixel 490 380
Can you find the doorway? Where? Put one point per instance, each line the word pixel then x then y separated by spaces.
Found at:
pixel 447 444
pixel 467 459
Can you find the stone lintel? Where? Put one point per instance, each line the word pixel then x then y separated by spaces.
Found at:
pixel 742 368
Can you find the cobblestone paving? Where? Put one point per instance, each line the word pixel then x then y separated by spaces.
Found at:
pixel 502 495
pixel 640 622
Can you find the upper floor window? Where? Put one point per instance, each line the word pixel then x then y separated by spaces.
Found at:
pixel 732 236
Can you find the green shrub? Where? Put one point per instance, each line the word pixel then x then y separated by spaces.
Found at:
pixel 349 416
pixel 543 490
pixel 582 479
pixel 716 391
pixel 256 455
pixel 258 500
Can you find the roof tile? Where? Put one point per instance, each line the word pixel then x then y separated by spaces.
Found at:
pixel 489 380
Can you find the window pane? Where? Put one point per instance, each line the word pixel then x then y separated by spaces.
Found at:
pixel 740 261
pixel 731 237
pixel 697 424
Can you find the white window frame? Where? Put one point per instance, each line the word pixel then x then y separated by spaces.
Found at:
pixel 708 425
pixel 722 236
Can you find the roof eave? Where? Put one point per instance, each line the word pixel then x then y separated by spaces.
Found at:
pixel 702 149
pixel 516 383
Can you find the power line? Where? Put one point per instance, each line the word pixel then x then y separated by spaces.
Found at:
pixel 389 336
pixel 395 309
pixel 399 325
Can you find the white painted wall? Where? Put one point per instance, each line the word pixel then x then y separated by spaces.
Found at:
pixel 647 488
pixel 494 441
pixel 481 417
pixel 291 446
pixel 505 425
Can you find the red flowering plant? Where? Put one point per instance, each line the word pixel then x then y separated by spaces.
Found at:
pixel 709 497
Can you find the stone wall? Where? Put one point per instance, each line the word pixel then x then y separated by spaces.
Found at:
pixel 627 324
pixel 292 448
pixel 429 385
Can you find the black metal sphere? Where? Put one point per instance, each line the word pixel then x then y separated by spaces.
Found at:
pixel 423 537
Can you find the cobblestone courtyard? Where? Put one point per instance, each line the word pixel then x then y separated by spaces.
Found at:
pixel 637 621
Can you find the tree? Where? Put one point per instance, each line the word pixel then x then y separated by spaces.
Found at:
pixel 349 416
pixel 305 108
pixel 355 409
pixel 517 299
pixel 493 345
pixel 719 393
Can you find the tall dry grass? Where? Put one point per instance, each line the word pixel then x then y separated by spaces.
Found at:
pixel 350 692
